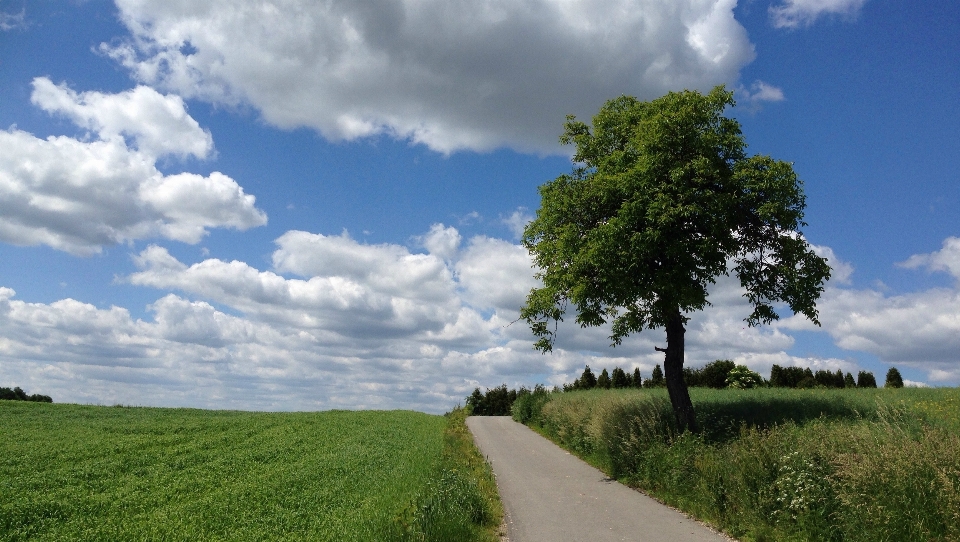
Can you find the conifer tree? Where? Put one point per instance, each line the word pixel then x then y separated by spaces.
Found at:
pixel 603 381
pixel 894 380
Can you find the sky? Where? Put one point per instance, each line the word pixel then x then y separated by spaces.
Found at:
pixel 295 205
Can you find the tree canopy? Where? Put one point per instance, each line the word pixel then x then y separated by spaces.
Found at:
pixel 662 200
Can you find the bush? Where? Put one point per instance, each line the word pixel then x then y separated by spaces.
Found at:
pixel 741 377
pixel 529 405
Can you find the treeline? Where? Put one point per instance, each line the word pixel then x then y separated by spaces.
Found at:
pixel 16 394
pixel 718 374
pixel 498 401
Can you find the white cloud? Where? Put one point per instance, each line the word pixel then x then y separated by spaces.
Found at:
pixel 442 241
pixel 158 124
pixel 946 259
pixel 379 326
pixel 13 21
pixel 446 74
pixel 78 196
pixel 759 92
pixel 794 13
pixel 495 274
pixel 517 221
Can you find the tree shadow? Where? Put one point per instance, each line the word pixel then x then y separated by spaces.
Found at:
pixel 723 420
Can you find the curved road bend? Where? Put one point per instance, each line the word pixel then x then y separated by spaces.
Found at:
pixel 550 495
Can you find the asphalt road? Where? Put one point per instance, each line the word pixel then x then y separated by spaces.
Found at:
pixel 550 495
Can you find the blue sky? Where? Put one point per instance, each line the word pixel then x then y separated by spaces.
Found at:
pixel 283 206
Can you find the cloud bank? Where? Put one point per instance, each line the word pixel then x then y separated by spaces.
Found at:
pixel 445 74
pixel 336 323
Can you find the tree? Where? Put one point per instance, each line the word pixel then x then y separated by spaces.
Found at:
pixel 587 380
pixel 848 381
pixel 637 380
pixel 662 200
pixel 656 378
pixel 894 380
pixel 865 379
pixel 603 381
pixel 619 378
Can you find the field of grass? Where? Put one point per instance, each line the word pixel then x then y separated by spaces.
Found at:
pixel 779 464
pixel 70 472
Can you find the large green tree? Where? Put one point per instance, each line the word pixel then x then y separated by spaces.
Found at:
pixel 662 200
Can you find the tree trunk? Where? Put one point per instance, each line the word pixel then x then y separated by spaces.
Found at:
pixel 673 371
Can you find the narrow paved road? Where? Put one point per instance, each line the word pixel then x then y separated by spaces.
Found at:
pixel 550 495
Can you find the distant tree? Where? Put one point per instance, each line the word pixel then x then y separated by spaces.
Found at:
pixel 587 380
pixel 17 394
pixel 656 378
pixel 849 382
pixel 603 381
pixel 828 379
pixel 715 373
pixel 866 379
pixel 790 377
pixel 662 200
pixel 619 379
pixel 637 379
pixel 475 402
pixel 894 380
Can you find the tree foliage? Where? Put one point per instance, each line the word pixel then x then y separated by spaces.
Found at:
pixel 17 394
pixel 894 379
pixel 662 200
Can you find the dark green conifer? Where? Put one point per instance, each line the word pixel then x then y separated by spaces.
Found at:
pixel 603 381
pixel 894 380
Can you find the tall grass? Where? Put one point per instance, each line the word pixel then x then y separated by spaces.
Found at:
pixel 70 472
pixel 777 464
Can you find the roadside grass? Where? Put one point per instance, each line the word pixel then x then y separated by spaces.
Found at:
pixel 71 472
pixel 780 464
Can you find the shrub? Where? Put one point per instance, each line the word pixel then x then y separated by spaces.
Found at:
pixel 741 377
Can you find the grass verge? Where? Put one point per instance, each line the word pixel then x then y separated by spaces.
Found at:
pixel 776 464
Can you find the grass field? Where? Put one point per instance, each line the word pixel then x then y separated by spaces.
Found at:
pixel 779 464
pixel 70 472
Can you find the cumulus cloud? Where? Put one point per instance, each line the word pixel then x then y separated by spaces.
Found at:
pixel 795 13
pixel 517 221
pixel 758 93
pixel 157 124
pixel 918 329
pixel 79 196
pixel 946 259
pixel 337 323
pixel 445 74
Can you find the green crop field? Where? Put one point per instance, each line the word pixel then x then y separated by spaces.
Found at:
pixel 774 464
pixel 70 472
